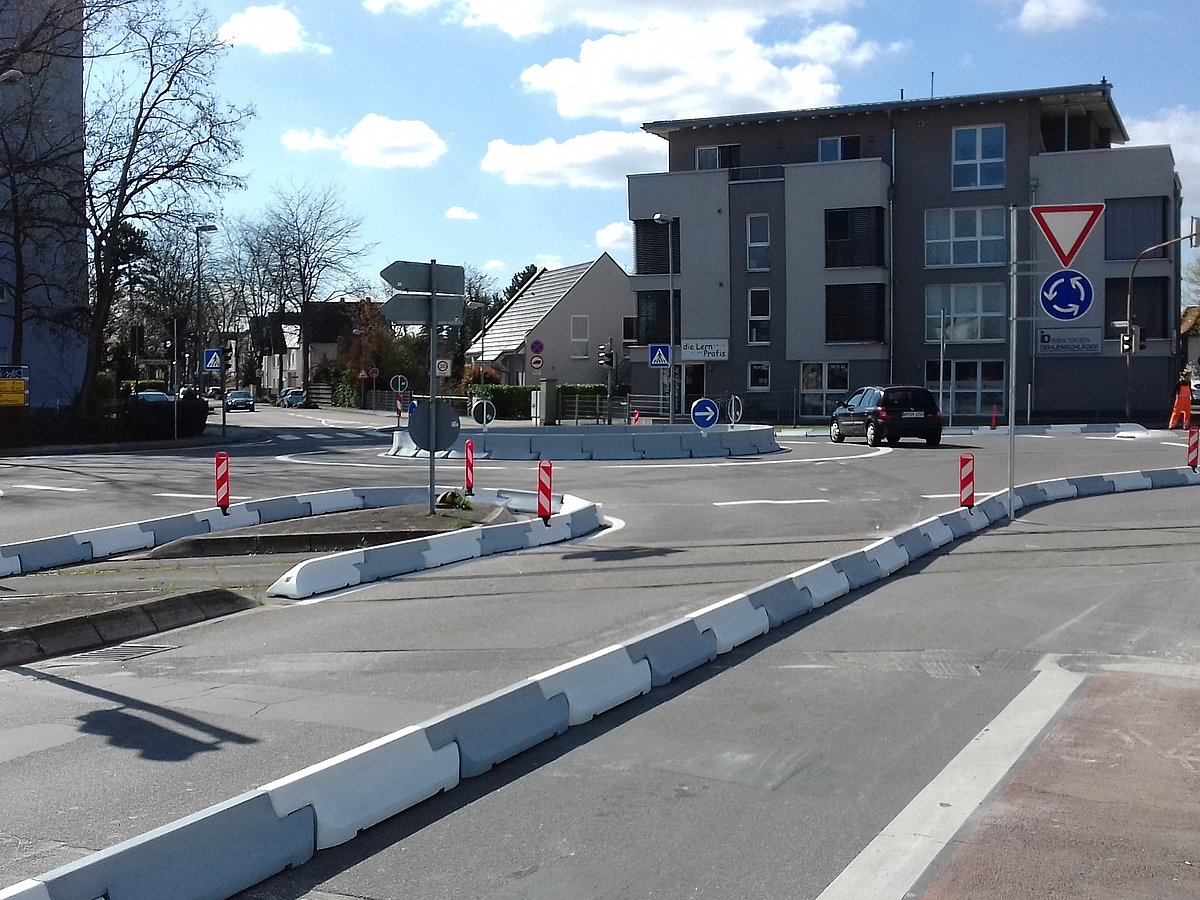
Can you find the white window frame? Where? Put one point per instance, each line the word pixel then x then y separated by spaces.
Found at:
pixel 579 345
pixel 837 142
pixel 751 246
pixel 978 161
pixel 958 241
pixel 752 319
pixel 969 396
pixel 967 315
pixel 829 396
pixel 765 366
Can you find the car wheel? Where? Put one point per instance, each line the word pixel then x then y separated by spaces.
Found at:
pixel 872 435
pixel 835 432
pixel 933 440
pixel 251 407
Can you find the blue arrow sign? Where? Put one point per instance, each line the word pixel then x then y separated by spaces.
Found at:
pixel 705 413
pixel 660 356
pixel 1066 295
pixel 212 359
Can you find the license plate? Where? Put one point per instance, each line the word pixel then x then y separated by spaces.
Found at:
pixel 912 415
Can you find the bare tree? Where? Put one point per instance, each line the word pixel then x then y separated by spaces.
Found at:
pixel 163 142
pixel 314 244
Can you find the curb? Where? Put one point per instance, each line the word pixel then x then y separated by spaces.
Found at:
pixel 19 646
pixel 320 806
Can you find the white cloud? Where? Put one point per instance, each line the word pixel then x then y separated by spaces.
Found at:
pixel 461 213
pixel 1039 16
pixel 269 29
pixel 679 67
pixel 375 142
pixel 403 6
pixel 548 261
pixel 616 236
pixel 1179 127
pixel 495 265
pixel 597 160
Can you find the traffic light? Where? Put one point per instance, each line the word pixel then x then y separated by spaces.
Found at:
pixel 1126 342
pixel 228 355
pixel 603 355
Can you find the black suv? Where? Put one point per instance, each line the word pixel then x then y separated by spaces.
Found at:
pixel 888 414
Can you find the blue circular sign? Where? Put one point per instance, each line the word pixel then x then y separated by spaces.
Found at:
pixel 1066 295
pixel 705 413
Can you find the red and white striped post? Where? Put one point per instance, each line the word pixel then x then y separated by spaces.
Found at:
pixel 966 480
pixel 469 470
pixel 222 465
pixel 545 479
pixel 1194 447
pixel 636 416
pixel 399 408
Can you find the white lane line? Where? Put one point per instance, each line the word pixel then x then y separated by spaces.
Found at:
pixel 49 487
pixel 890 865
pixel 351 434
pixel 979 497
pixel 320 436
pixel 764 502
pixel 288 437
pixel 200 496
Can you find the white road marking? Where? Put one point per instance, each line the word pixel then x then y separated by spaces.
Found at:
pixel 890 865
pixel 288 437
pixel 764 502
pixel 200 496
pixel 49 487
pixel 980 496
pixel 319 436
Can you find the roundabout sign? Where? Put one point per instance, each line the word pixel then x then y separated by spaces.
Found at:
pixel 1066 295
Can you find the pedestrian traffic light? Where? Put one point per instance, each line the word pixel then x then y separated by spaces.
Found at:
pixel 1126 342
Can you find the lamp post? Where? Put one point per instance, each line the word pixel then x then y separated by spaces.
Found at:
pixel 201 343
pixel 481 305
pixel 663 219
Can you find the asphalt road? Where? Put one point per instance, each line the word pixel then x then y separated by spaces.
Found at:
pixel 103 749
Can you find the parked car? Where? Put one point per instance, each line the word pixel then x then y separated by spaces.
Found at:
pixel 214 393
pixel 239 400
pixel 153 397
pixel 888 413
pixel 292 396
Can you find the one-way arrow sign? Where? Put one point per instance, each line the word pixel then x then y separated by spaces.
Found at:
pixel 1066 226
pixel 705 413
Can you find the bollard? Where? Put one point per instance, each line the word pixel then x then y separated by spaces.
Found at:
pixel 222 464
pixel 993 417
pixel 966 480
pixel 635 417
pixel 399 408
pixel 1193 457
pixel 545 477
pixel 469 469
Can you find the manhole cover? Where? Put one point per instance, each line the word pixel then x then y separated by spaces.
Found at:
pixel 121 652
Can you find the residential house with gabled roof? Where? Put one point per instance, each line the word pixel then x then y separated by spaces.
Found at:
pixel 553 326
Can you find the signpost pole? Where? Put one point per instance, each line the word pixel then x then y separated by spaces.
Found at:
pixel 432 379
pixel 1012 356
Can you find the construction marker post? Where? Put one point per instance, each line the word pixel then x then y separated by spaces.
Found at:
pixel 1193 447
pixel 636 416
pixel 469 470
pixel 399 408
pixel 545 480
pixel 222 465
pixel 966 480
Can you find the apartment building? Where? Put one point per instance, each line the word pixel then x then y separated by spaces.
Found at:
pixel 812 251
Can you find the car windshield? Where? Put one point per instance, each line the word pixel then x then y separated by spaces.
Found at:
pixel 239 395
pixel 153 396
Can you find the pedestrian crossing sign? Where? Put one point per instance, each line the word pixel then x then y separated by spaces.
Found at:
pixel 660 356
pixel 212 359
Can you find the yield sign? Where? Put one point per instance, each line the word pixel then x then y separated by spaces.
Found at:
pixel 1066 226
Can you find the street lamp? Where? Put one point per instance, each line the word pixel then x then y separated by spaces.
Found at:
pixel 481 305
pixel 200 338
pixel 662 219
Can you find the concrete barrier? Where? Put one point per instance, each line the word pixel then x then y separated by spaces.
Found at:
pixel 824 582
pixel 115 539
pixel 499 726
pixel 501 444
pixel 1129 481
pixel 323 502
pixel 732 621
pixel 659 445
pixel 672 649
pixel 507 537
pixel 171 528
pixel 46 553
pixel 213 519
pixel 453 546
pixel 608 445
pixel 595 683
pixel 319 576
pixel 702 444
pixel 391 560
pixel 781 600
pixel 1091 486
pixel 858 568
pixel 887 554
pixel 362 787
pixel 214 853
pixel 26 890
pixel 279 509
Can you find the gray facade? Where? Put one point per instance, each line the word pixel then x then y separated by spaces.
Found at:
pixel 836 247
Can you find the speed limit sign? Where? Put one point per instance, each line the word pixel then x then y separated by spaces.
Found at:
pixel 442 368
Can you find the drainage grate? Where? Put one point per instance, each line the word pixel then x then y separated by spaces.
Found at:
pixel 121 652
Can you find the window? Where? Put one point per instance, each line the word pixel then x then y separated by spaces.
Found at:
pixel 758 242
pixel 965 237
pixel 723 157
pixel 759 318
pixel 823 385
pixel 978 157
pixel 650 247
pixel 854 237
pixel 653 326
pixel 973 312
pixel 1131 224
pixel 579 337
pixel 758 376
pixel 832 149
pixel 1149 306
pixel 854 313
pixel 968 387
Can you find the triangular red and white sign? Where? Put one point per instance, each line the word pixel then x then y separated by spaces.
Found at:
pixel 1066 226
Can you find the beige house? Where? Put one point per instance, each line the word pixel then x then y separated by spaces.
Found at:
pixel 553 326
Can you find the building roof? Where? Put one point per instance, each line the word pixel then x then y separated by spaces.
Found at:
pixel 506 331
pixel 1093 98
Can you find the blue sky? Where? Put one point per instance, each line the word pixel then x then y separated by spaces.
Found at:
pixel 498 133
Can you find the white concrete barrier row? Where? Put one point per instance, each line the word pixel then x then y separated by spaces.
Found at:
pixel 332 801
